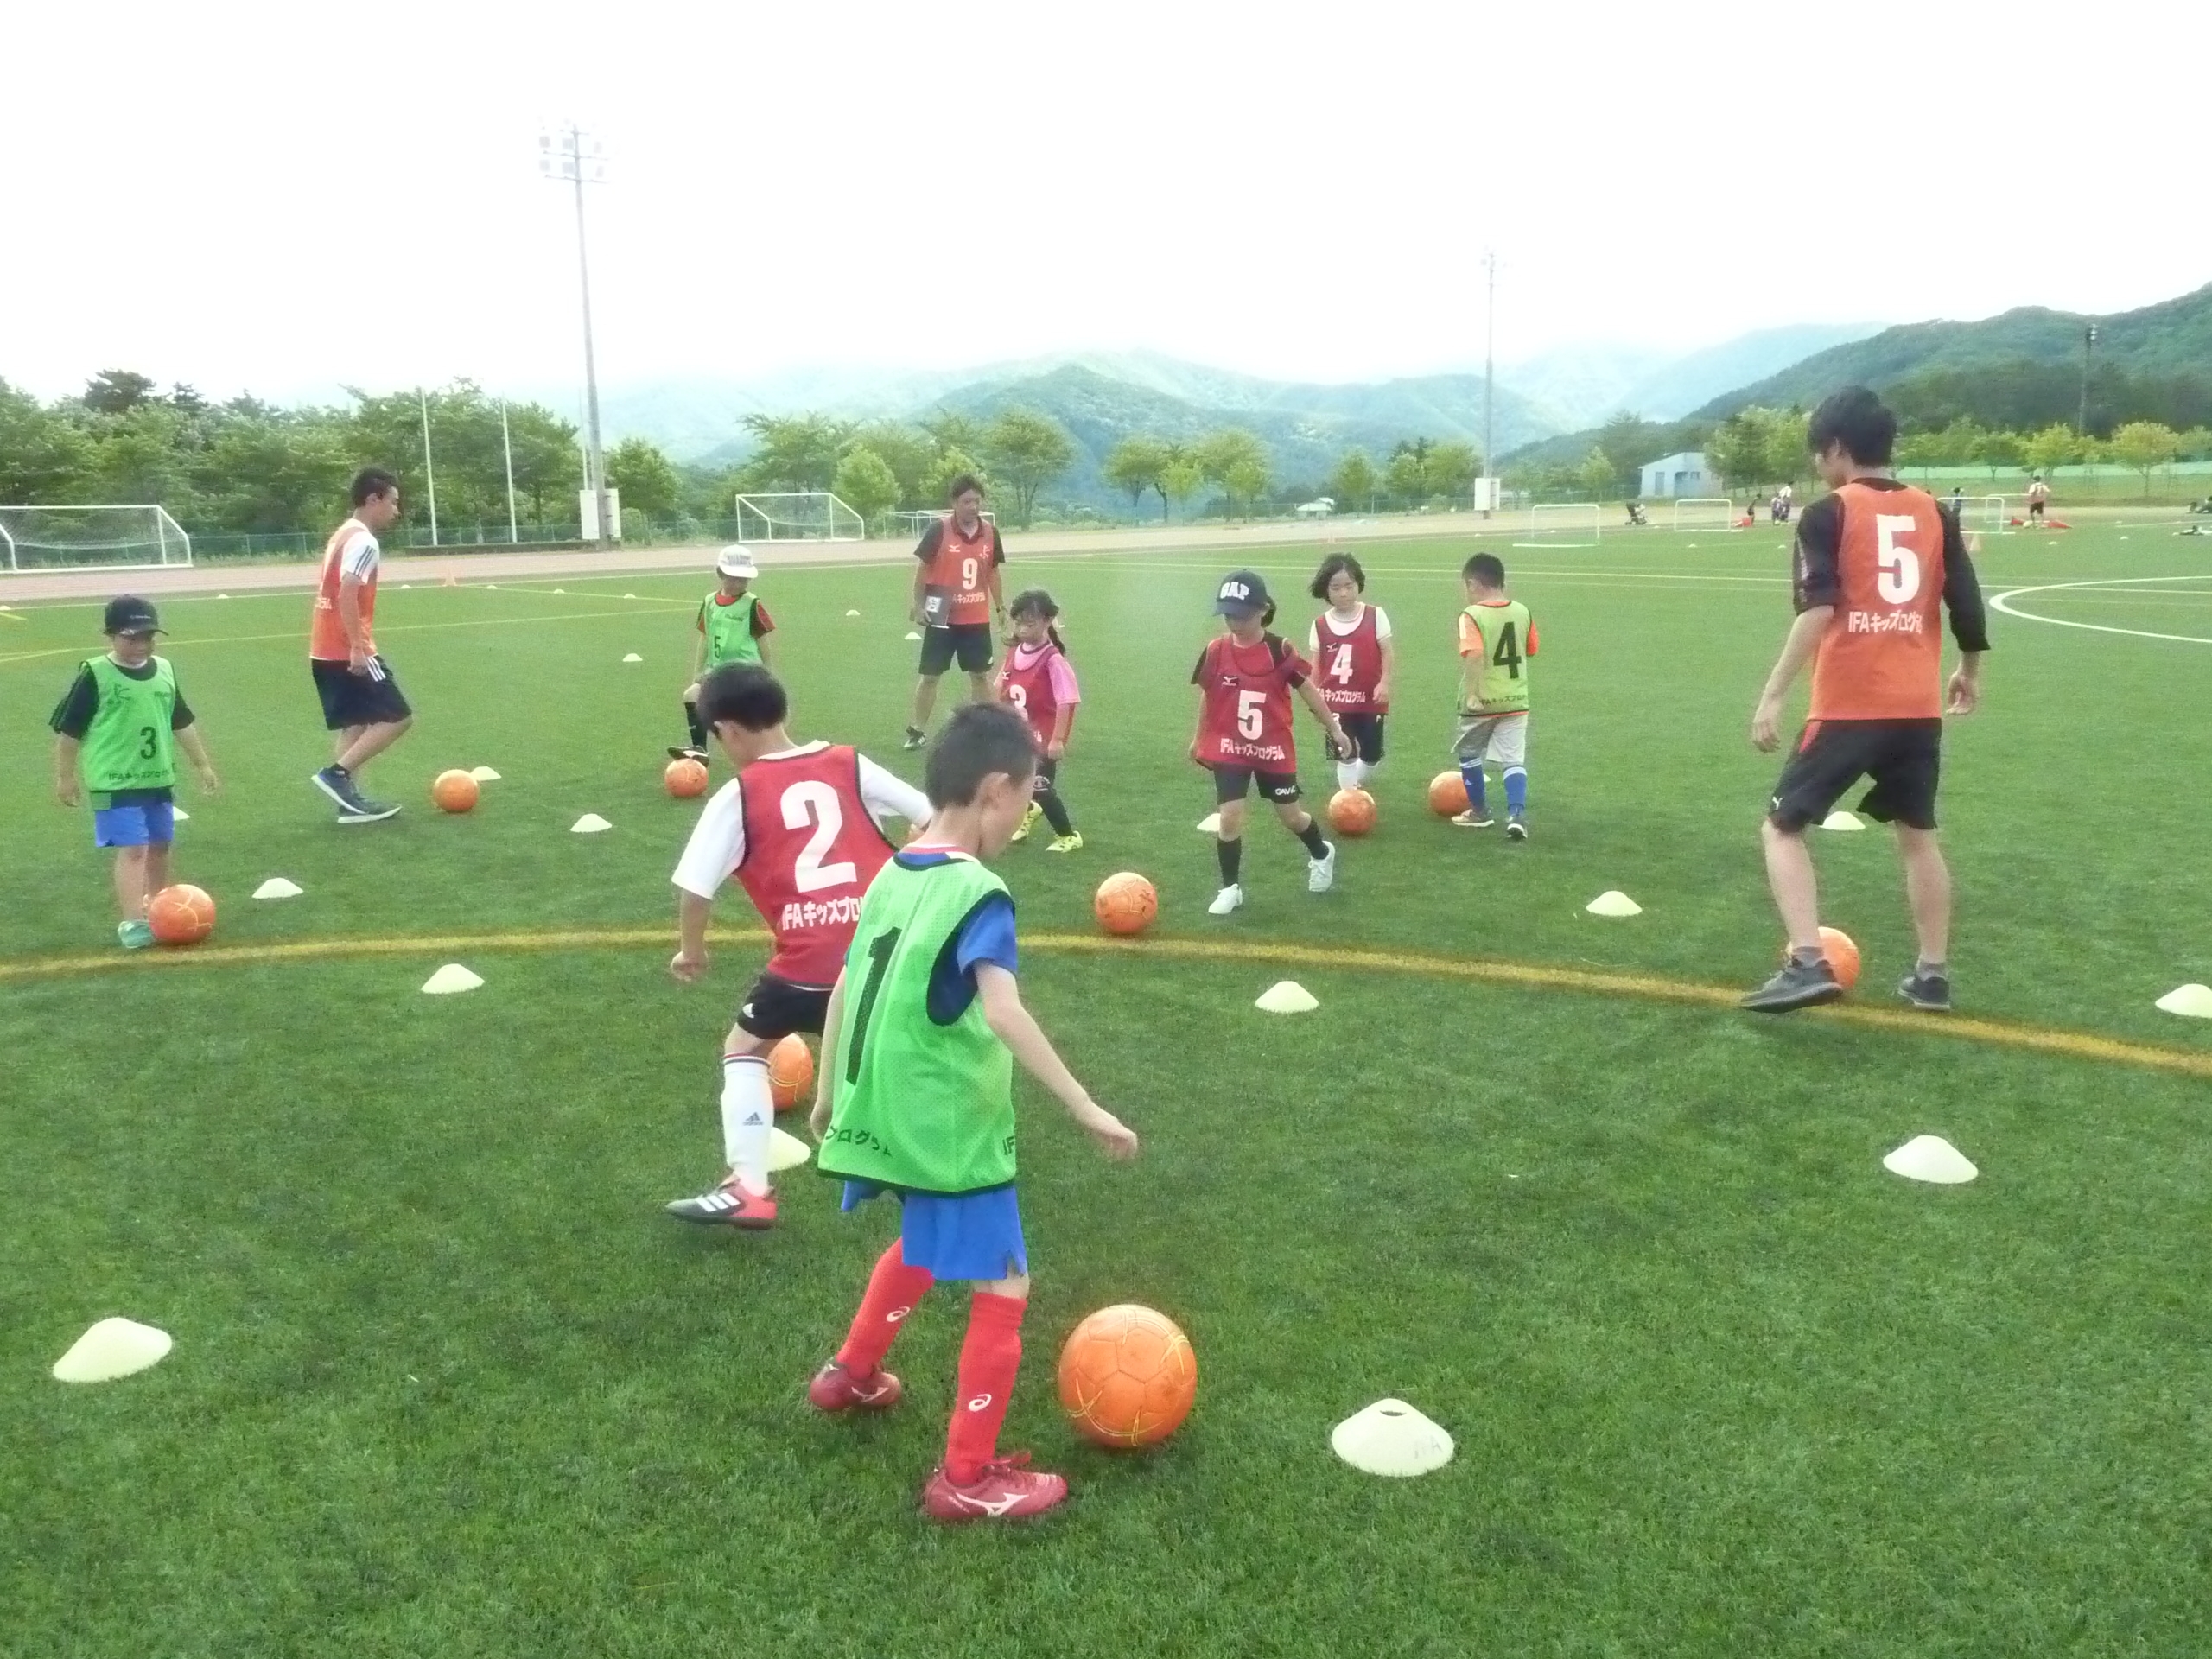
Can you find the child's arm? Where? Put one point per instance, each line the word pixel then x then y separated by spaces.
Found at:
pixel 1389 669
pixel 818 1119
pixel 1341 747
pixel 690 958
pixel 65 769
pixel 1063 717
pixel 195 746
pixel 1018 1029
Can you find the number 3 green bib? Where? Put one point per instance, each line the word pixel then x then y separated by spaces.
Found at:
pixel 129 744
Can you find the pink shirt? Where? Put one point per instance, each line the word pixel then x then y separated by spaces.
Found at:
pixel 1059 671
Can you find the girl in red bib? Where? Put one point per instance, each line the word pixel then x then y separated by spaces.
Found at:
pixel 1349 646
pixel 1038 681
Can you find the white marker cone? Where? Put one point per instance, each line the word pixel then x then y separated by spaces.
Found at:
pixel 852 613
pixel 181 815
pixel 484 774
pixel 1209 824
pixel 2194 1000
pixel 450 978
pixel 590 824
pixel 1286 997
pixel 1613 903
pixel 1930 1158
pixel 629 596
pixel 404 586
pixel 278 886
pixel 561 591
pixel 222 596
pixel 1843 820
pixel 786 1151
pixel 112 1348
pixel 492 585
pixel 1390 1438
pixel 913 635
pixel 633 658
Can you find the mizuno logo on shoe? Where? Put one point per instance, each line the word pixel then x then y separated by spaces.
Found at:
pixel 985 1506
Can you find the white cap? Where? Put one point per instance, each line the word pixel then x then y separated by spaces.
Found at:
pixel 736 561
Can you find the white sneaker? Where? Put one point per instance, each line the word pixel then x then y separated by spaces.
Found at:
pixel 1226 901
pixel 1321 872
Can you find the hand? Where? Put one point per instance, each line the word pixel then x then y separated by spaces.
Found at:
pixel 1118 1140
pixel 66 792
pixel 687 966
pixel 914 615
pixel 209 782
pixel 356 660
pixel 1965 693
pixel 1055 750
pixel 1766 725
pixel 817 1120
pixel 1382 693
pixel 1341 747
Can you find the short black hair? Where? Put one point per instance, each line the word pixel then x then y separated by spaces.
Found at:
pixel 982 739
pixel 744 694
pixel 1486 567
pixel 962 483
pixel 1858 420
pixel 1327 574
pixel 372 482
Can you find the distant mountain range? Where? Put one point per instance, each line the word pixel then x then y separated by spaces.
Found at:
pixel 1583 385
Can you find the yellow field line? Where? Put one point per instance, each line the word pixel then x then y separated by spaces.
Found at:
pixel 2043 1040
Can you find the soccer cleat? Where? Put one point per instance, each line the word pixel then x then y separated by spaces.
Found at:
pixel 1515 830
pixel 1321 872
pixel 915 738
pixel 1799 985
pixel 367 811
pixel 1028 822
pixel 1007 1489
pixel 1474 818
pixel 1070 843
pixel 729 1205
pixel 1226 901
pixel 134 935
pixel 835 1389
pixel 1930 993
pixel 686 751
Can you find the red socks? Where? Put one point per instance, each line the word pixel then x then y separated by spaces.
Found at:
pixel 989 1358
pixel 892 1290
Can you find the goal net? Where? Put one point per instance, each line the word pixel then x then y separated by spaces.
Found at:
pixel 1989 515
pixel 912 524
pixel 90 539
pixel 1705 513
pixel 798 516
pixel 1561 524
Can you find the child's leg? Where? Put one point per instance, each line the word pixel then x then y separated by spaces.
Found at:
pixel 130 883
pixel 1928 888
pixel 1048 798
pixel 990 1359
pixel 1296 819
pixel 691 715
pixel 1229 848
pixel 1509 749
pixel 155 876
pixel 892 1290
pixel 748 1107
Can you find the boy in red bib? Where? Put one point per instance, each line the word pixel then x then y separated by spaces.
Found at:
pixel 1352 654
pixel 1246 678
pixel 798 827
pixel 1038 681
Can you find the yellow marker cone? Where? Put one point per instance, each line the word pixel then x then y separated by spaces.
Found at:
pixel 2193 1000
pixel 450 979
pixel 1209 824
pixel 1930 1158
pixel 484 774
pixel 1613 903
pixel 278 886
pixel 113 1348
pixel 590 824
pixel 1286 997
pixel 1843 820
pixel 786 1151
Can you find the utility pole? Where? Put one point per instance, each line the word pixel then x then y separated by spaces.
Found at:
pixel 429 473
pixel 1490 387
pixel 507 450
pixel 572 156
pixel 2089 347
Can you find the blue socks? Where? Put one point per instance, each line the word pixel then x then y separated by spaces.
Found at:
pixel 1516 791
pixel 1471 773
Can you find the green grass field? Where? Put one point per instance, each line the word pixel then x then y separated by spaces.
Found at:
pixel 447 1383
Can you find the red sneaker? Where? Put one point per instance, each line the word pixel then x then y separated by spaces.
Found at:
pixel 1005 1491
pixel 729 1205
pixel 835 1388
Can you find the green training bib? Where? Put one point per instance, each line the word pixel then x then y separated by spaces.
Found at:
pixel 129 744
pixel 730 630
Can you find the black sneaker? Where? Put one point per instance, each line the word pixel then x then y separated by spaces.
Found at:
pixel 1931 992
pixel 1515 830
pixel 915 738
pixel 1799 985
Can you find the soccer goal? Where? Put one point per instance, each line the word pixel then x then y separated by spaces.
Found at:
pixel 798 516
pixel 912 524
pixel 1705 513
pixel 1561 524
pixel 1989 515
pixel 92 538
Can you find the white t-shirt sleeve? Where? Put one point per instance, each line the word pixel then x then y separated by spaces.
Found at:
pixel 1382 623
pixel 359 556
pixel 1313 641
pixel 887 795
pixel 717 844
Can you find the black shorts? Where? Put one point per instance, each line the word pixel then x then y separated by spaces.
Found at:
pixel 1366 733
pixel 776 1007
pixel 349 699
pixel 2035 509
pixel 1233 783
pixel 1903 758
pixel 969 641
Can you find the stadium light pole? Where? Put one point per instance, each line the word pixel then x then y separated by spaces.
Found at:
pixel 1490 387
pixel 572 156
pixel 2088 346
pixel 429 473
pixel 507 450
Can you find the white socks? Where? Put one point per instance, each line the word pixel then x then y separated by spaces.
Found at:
pixel 1353 774
pixel 749 1112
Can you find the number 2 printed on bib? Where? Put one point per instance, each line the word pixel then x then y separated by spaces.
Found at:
pixel 815 802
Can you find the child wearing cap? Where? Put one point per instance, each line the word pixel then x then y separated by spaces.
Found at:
pixel 123 721
pixel 1245 679
pixel 733 627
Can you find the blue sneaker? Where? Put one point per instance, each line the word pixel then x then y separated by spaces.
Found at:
pixel 133 936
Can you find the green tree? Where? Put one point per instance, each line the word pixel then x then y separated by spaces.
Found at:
pixel 646 478
pixel 2145 446
pixel 794 452
pixel 1134 465
pixel 2000 450
pixel 1026 451
pixel 275 474
pixel 1180 480
pixel 1738 449
pixel 1452 467
pixel 1355 481
pixel 950 463
pixel 1407 475
pixel 912 454
pixel 1597 475
pixel 866 483
pixel 43 457
pixel 116 392
pixel 1247 477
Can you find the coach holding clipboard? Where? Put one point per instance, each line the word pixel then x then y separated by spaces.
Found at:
pixel 956 597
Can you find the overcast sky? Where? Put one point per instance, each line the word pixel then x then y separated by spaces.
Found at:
pixel 286 197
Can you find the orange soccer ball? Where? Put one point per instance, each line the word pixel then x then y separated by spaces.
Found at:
pixel 180 915
pixel 685 777
pixel 1842 953
pixel 454 792
pixel 1447 794
pixel 1352 811
pixel 1125 903
pixel 1127 1376
pixel 791 1071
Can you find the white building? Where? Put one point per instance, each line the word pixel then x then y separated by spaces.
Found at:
pixel 1688 474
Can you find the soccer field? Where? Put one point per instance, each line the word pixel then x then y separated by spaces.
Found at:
pixel 447 1382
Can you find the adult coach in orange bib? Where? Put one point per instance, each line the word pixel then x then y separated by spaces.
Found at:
pixel 361 701
pixel 1878 561
pixel 957 595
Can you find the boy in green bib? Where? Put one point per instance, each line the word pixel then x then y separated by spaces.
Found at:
pixel 915 1097
pixel 733 627
pixel 1497 639
pixel 123 721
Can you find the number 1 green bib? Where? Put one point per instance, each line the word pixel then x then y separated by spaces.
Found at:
pixel 129 744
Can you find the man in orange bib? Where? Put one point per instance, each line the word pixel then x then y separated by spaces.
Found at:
pixel 956 595
pixel 1878 562
pixel 361 701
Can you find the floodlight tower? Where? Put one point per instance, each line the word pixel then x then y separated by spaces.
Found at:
pixel 1490 387
pixel 571 155
pixel 2089 349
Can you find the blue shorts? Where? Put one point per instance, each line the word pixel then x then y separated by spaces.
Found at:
pixel 976 1235
pixel 150 824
